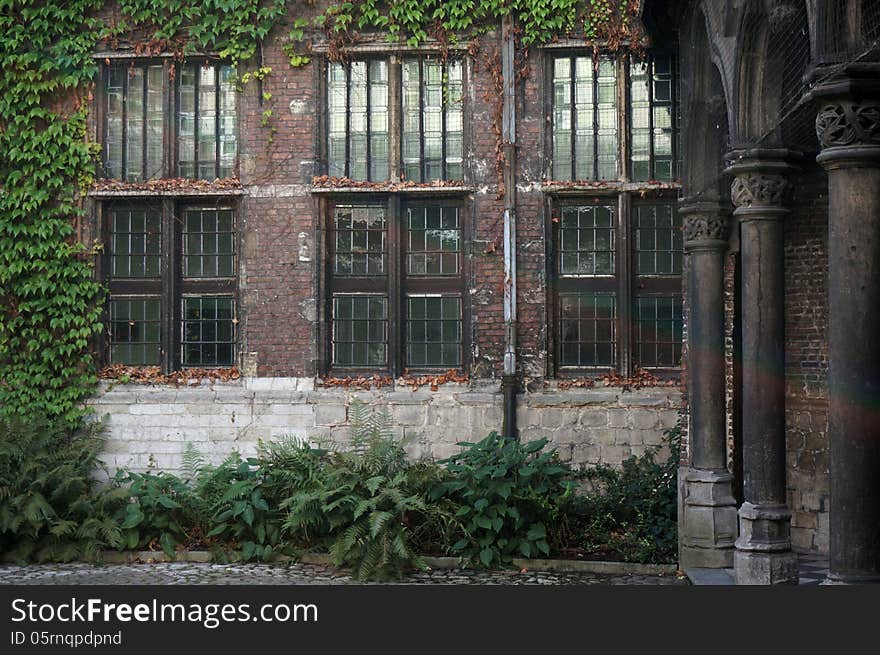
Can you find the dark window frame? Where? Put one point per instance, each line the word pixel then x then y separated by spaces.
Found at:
pixel 394 63
pixel 170 286
pixel 395 285
pixel 626 284
pixel 171 110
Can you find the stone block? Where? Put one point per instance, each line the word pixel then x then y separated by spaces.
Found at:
pixel 408 397
pixel 593 417
pixel 554 418
pixel 330 414
pixel 649 398
pixel 410 415
pixel 477 398
pixel 642 419
pixel 617 418
pixel 586 454
pixel 758 568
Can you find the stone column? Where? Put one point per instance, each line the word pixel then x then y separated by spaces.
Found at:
pixel 709 526
pixel 763 550
pixel 848 127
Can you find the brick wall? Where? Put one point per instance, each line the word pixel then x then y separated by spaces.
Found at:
pixel 806 362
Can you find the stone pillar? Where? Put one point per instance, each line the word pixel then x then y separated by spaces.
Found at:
pixel 763 550
pixel 709 526
pixel 848 127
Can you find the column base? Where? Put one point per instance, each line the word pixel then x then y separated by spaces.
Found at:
pixel 763 568
pixel 850 578
pixel 709 526
pixel 763 551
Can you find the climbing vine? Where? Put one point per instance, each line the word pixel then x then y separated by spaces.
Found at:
pixel 50 303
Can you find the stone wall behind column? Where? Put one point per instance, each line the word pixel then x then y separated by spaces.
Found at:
pixel 151 425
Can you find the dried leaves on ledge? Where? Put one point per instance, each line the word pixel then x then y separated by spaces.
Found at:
pixel 178 184
pixel 364 383
pixel 154 375
pixel 641 378
pixel 433 380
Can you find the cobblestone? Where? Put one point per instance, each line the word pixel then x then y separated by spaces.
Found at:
pixel 185 573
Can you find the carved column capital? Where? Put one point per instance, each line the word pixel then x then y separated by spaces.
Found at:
pixel 848 123
pixel 848 116
pixel 704 224
pixel 761 184
pixel 758 188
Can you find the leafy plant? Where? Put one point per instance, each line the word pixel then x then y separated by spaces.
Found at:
pixel 49 508
pixel 368 506
pixel 160 511
pixel 507 493
pixel 239 514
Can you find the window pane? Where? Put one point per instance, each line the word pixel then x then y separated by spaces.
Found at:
pixel 134 123
pixel 584 119
pixel 587 329
pixel 434 241
pixel 658 331
pixel 208 331
pixel 208 243
pixel 432 119
pixel 433 331
pixel 587 237
pixel 135 242
pixel 658 240
pixel 135 331
pixel 207 141
pixel 360 330
pixel 652 118
pixel 360 233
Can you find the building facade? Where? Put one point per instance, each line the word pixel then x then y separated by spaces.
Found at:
pixel 587 241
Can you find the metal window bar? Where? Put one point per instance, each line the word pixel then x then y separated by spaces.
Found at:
pixel 132 114
pixel 659 331
pixel 135 331
pixel 658 242
pixel 208 330
pixel 135 244
pixel 359 330
pixel 588 329
pixel 215 87
pixel 208 243
pixel 433 330
pixel 360 240
pixel 433 241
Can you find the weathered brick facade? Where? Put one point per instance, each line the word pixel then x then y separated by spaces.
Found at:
pixel 281 294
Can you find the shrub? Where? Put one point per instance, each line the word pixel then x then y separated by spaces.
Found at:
pixel 367 505
pixel 507 493
pixel 162 511
pixel 633 513
pixel 49 508
pixel 240 515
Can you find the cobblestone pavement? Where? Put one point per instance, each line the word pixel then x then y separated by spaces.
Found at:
pixel 180 573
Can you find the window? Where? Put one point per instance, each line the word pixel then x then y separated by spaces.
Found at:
pixel 142 143
pixel 616 247
pixel 394 279
pixel 393 119
pixel 168 310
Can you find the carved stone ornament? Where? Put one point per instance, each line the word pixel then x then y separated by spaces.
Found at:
pixel 848 124
pixel 705 227
pixel 758 189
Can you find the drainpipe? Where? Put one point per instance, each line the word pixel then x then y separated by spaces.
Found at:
pixel 508 147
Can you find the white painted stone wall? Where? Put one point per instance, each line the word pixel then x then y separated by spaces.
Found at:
pixel 150 425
